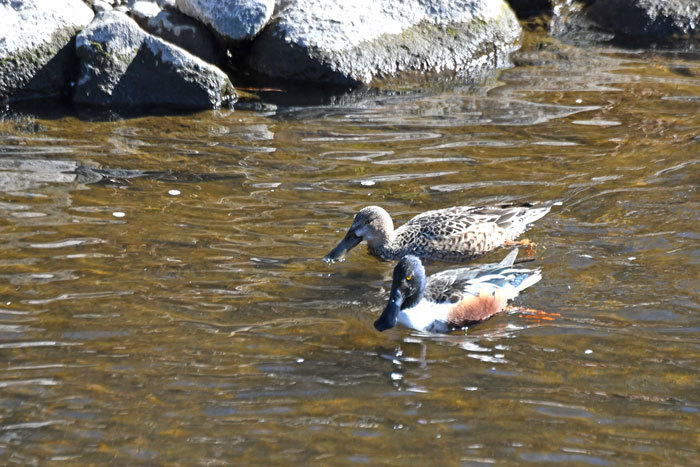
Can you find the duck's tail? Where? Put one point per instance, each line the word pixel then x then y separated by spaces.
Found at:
pixel 510 280
pixel 520 280
pixel 516 219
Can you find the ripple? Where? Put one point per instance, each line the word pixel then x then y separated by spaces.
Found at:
pixel 34 150
pixel 361 156
pixel 682 98
pixel 555 143
pixel 29 382
pixel 78 296
pixel 40 277
pixel 22 345
pixel 556 409
pixel 597 122
pixel 66 243
pixel 28 214
pixel 474 143
pixel 384 137
pixel 472 185
pixel 32 425
pixel 400 177
pixel 426 160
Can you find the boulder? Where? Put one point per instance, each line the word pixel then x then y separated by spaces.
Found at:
pixel 36 53
pixel 653 19
pixel 143 9
pixel 569 23
pixel 100 5
pixel 183 31
pixel 232 21
pixel 351 43
pixel 122 65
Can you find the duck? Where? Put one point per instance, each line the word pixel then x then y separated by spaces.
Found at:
pixel 457 234
pixel 452 299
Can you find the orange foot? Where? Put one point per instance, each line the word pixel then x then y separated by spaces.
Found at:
pixel 529 245
pixel 531 313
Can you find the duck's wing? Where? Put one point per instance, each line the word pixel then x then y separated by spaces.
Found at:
pixel 446 234
pixel 453 285
pixel 466 231
pixel 515 219
pixel 450 285
pixel 445 223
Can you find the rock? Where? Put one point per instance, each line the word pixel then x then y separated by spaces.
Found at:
pixel 100 6
pixel 167 4
pixel 183 31
pixel 654 19
pixel 349 43
pixel 143 9
pixel 122 65
pixel 569 23
pixel 232 21
pixel 36 52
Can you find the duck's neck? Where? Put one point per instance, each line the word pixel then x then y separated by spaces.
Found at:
pixel 412 300
pixel 382 244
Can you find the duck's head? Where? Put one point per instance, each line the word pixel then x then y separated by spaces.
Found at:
pixel 372 224
pixel 407 289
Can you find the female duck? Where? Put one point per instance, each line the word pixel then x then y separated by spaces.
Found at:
pixel 455 234
pixel 451 299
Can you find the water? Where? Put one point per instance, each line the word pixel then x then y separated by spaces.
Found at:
pixel 162 297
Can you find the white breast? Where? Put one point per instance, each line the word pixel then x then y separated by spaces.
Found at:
pixel 423 316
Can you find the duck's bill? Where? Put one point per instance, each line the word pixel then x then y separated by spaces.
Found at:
pixel 391 313
pixel 346 244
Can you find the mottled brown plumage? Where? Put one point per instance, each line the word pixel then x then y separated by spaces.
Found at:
pixel 455 234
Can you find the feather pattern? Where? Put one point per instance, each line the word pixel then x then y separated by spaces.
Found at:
pixel 455 298
pixel 455 234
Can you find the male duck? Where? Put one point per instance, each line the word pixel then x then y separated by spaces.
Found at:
pixel 451 299
pixel 455 234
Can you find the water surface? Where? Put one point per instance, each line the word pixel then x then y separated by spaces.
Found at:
pixel 162 297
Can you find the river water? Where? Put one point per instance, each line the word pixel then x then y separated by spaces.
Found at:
pixel 163 298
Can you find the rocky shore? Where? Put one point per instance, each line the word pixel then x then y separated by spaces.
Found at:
pixel 188 53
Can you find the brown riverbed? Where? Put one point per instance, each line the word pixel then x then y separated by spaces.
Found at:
pixel 178 310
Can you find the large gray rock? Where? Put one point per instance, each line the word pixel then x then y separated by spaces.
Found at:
pixel 35 54
pixel 356 42
pixel 143 8
pixel 569 23
pixel 122 65
pixel 232 20
pixel 183 31
pixel 648 18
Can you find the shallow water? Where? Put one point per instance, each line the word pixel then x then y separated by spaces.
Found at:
pixel 177 310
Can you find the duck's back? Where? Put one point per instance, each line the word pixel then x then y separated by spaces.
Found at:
pixel 454 285
pixel 463 232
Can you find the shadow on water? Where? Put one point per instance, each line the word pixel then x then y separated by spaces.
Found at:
pixel 57 108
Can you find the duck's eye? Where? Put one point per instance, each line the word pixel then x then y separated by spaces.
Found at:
pixel 408 278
